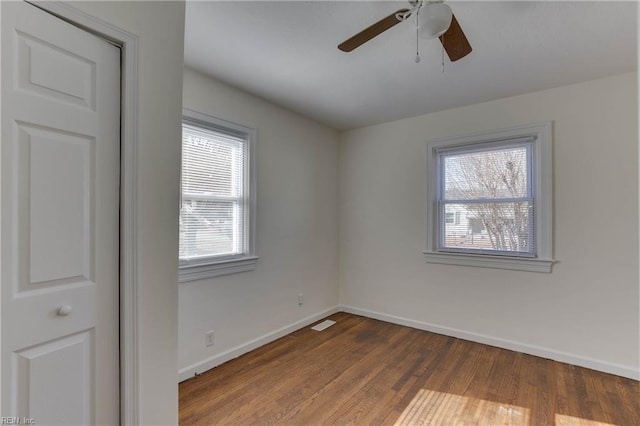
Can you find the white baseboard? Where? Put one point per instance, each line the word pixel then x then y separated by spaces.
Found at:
pixel 594 364
pixel 209 363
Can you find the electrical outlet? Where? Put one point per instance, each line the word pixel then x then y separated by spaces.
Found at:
pixel 300 298
pixel 209 338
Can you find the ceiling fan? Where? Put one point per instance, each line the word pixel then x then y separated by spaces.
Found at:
pixel 434 19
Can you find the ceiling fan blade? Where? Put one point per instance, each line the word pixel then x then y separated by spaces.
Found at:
pixel 455 42
pixel 370 32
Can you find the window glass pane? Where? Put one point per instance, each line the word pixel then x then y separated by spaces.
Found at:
pixel 502 226
pixel 212 163
pixel 210 228
pixel 488 174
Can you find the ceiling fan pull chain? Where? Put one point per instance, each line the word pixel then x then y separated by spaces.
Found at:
pixel 442 53
pixel 417 39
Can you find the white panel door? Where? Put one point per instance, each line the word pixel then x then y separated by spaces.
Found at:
pixel 59 195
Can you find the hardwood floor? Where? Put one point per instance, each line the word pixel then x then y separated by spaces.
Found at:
pixel 363 371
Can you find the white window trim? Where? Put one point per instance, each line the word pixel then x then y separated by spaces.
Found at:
pixel 542 152
pixel 197 269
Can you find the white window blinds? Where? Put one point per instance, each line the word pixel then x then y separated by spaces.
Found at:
pixel 214 196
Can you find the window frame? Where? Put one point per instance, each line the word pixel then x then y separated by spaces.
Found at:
pixel 541 183
pixel 213 266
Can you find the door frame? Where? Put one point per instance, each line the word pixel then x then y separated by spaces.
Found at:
pixel 129 324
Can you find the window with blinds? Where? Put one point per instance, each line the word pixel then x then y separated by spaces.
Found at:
pixel 486 198
pixel 490 199
pixel 213 204
pixel 217 198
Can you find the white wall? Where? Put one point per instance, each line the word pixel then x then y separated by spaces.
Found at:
pixel 297 239
pixel 586 310
pixel 160 27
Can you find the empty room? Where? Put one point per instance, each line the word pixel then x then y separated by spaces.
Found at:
pixel 320 212
pixel 375 166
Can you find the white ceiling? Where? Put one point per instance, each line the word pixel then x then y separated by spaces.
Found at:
pixel 286 52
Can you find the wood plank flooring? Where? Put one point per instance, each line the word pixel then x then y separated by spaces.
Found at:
pixel 362 371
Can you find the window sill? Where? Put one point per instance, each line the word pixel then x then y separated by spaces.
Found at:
pixel 198 272
pixel 487 261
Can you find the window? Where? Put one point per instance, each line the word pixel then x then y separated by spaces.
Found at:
pixel 452 217
pixel 490 199
pixel 217 203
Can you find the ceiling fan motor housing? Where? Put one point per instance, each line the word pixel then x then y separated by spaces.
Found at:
pixel 434 19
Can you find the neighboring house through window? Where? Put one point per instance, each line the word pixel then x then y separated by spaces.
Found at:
pixel 217 205
pixel 490 199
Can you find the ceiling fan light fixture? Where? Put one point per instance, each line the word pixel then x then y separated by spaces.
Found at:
pixel 434 20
